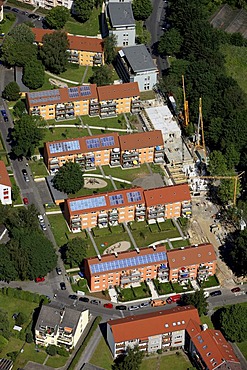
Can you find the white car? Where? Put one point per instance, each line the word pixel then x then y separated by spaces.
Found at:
pixel 42 222
pixel 133 308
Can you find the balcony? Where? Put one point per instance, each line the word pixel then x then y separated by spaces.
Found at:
pixel 115 163
pixel 53 161
pixel 108 114
pixel 128 154
pixel 140 207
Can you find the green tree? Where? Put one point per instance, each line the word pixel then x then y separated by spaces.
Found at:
pixel 57 17
pixel 19 108
pixel 102 76
pixel 75 251
pixel 144 38
pixel 198 300
pixel 15 192
pixel 29 337
pixel 26 135
pixel 132 360
pixel 142 9
pixel 7 269
pixel 217 164
pixel 17 52
pixel 51 350
pixel 69 178
pixel 238 254
pixel 21 319
pixel 33 74
pixel 82 9
pixel 4 324
pixel 11 91
pixel 170 42
pixel 54 52
pixel 110 44
pixel 233 322
pixel 22 33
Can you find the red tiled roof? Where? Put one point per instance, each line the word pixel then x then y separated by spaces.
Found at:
pixel 4 176
pixel 123 255
pixel 141 140
pixel 120 91
pixel 187 256
pixel 167 194
pixel 83 145
pixel 81 43
pixel 123 192
pixel 146 325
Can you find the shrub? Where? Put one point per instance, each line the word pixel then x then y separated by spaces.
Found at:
pixel 61 351
pixel 20 319
pixel 29 337
pixel 159 351
pixel 12 355
pixel 10 16
pixel 51 350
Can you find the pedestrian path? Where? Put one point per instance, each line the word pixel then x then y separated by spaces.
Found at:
pixel 93 242
pixel 179 228
pixel 152 290
pixel 61 79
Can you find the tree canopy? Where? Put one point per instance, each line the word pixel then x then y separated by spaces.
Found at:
pixel 75 251
pixel 69 178
pixel 33 74
pixel 238 254
pixel 82 9
pixel 11 91
pixel 57 17
pixel 22 33
pixel 110 44
pixel 142 9
pixel 233 323
pixel 26 135
pixel 170 42
pixel 54 53
pixel 198 300
pixel 17 53
pixel 101 76
pixel 132 360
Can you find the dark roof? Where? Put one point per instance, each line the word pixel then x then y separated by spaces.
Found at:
pixel 138 58
pixel 5 364
pixel 121 14
pixel 56 194
pixel 87 366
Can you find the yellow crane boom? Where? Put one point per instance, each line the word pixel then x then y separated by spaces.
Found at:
pixel 186 105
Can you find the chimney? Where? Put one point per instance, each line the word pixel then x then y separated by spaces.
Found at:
pixel 99 257
pixel 154 248
pixel 116 255
pixel 138 250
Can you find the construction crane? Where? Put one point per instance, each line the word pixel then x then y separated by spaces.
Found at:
pixel 186 106
pixel 235 178
pixel 200 144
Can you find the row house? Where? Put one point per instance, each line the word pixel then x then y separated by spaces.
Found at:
pixel 128 151
pixel 49 4
pixel 125 268
pixel 95 210
pixel 60 327
pixel 5 185
pixel 168 202
pixel 179 327
pixel 66 103
pixel 83 50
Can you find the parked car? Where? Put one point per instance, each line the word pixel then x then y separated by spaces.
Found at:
pixel 25 201
pixel 121 307
pixel 95 301
pixel 7 7
pixel 62 286
pixel 158 302
pixel 235 290
pixel 84 299
pixel 108 305
pixel 25 175
pixel 42 222
pixel 15 10
pixel 39 279
pixel 215 293
pixel 144 304
pixel 133 308
pixel 173 299
pixel 3 111
pixel 59 271
pixel 73 296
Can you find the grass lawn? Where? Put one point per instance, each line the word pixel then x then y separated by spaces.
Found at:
pixel 129 174
pixel 5 27
pixel 102 356
pixel 56 361
pixel 139 28
pixel 212 281
pixel 19 4
pixel 84 191
pixel 180 288
pixel 236 63
pixel 61 133
pixel 206 320
pixel 130 294
pixel 89 74
pixel 180 243
pixel 13 305
pixel 163 288
pixel 73 74
pixel 13 182
pixel 114 122
pixel 46 85
pixel 171 362
pixel 80 285
pixel 89 28
pixel 29 354
pixel 109 238
pixel 147 95
pixel 38 168
pixel 243 348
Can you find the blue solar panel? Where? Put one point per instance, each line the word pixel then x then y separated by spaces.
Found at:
pixel 44 96
pixel 64 146
pixel 116 199
pixel 107 141
pixel 134 196
pixel 73 92
pixel 93 143
pixel 129 262
pixel 81 204
pixel 85 90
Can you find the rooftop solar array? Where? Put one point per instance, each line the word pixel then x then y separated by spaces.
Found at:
pixel 107 141
pixel 44 96
pixel 81 204
pixel 116 199
pixel 134 196
pixel 128 262
pixel 93 143
pixel 103 141
pixel 75 92
pixel 85 90
pixel 64 146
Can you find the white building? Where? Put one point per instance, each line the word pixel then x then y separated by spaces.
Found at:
pixel 1 10
pixel 48 4
pixel 60 327
pixel 5 185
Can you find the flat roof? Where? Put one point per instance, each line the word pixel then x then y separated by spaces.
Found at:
pixel 167 194
pixel 121 14
pixel 118 91
pixel 162 119
pixel 138 58
pixel 140 140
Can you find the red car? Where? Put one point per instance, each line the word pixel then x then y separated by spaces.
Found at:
pixel 39 279
pixel 108 305
pixel 25 201
pixel 235 290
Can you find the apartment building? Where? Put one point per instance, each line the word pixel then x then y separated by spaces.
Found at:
pixel 83 50
pixel 124 269
pixel 168 202
pixel 135 64
pixel 127 151
pixel 1 10
pixel 5 185
pixel 66 103
pixel 104 209
pixel 122 23
pixel 139 148
pixel 60 327
pixel 178 327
